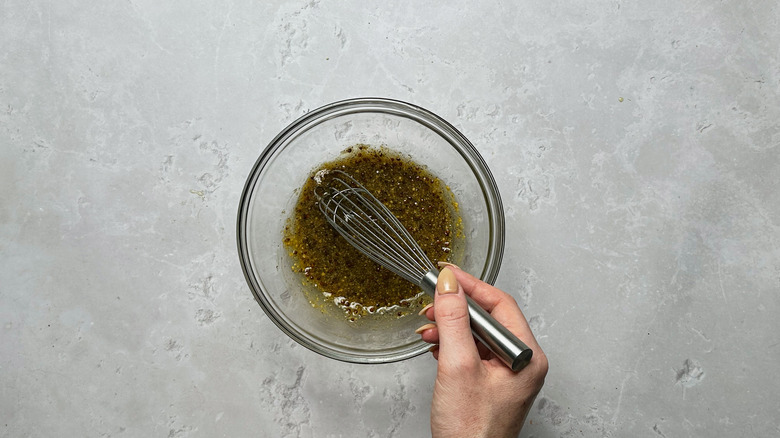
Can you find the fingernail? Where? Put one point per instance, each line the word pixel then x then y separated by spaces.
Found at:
pixel 424 328
pixel 425 309
pixel 433 348
pixel 446 284
pixel 445 264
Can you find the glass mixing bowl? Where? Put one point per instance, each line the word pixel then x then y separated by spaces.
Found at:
pixel 271 192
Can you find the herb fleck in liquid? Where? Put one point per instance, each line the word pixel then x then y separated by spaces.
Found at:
pixel 422 203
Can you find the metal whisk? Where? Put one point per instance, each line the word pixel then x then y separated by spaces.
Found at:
pixel 371 228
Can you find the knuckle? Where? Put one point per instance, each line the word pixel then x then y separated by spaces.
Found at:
pixel 459 367
pixel 542 365
pixel 464 368
pixel 540 368
pixel 511 300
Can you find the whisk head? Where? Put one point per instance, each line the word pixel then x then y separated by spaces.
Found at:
pixel 371 227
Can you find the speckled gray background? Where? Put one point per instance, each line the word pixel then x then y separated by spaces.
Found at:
pixel 636 146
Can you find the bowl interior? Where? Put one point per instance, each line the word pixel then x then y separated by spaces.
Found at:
pixel 271 193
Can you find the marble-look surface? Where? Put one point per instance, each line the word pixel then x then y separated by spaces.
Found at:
pixel 636 146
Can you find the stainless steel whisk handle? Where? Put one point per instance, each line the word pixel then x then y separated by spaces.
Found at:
pixel 503 343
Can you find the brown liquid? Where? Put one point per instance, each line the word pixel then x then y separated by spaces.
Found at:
pixel 422 203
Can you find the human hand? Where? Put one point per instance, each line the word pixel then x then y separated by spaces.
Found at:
pixel 475 394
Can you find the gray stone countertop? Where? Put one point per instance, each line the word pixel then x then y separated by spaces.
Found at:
pixel 636 146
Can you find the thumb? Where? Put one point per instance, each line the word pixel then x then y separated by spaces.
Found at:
pixel 456 343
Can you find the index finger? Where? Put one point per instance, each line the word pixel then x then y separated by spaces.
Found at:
pixel 486 295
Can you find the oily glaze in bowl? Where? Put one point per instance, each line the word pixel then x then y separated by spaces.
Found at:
pixel 271 191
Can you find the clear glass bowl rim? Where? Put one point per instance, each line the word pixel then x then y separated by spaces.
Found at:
pixel 394 107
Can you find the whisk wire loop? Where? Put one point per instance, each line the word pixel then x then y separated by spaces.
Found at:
pixel 371 227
